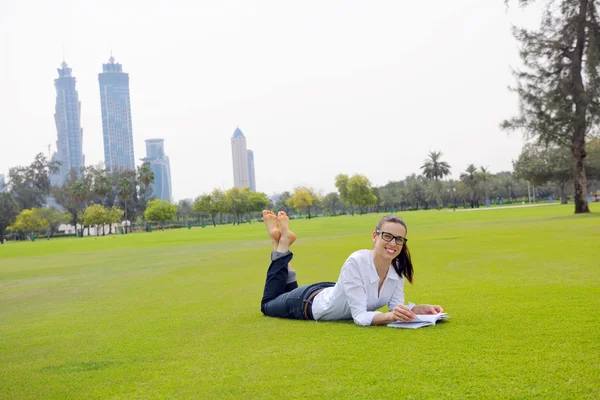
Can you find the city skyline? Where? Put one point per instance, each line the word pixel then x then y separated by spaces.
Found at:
pixel 69 143
pixel 334 98
pixel 117 128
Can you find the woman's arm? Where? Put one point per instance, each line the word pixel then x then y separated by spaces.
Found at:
pixel 399 313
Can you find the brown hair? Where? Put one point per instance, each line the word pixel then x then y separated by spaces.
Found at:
pixel 402 263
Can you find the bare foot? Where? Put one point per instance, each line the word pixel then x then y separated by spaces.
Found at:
pixel 286 234
pixel 272 226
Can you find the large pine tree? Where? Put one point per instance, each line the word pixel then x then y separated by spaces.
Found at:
pixel 559 86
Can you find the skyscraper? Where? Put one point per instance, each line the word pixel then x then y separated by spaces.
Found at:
pixel 69 146
pixel 116 117
pixel 239 153
pixel 251 176
pixel 159 162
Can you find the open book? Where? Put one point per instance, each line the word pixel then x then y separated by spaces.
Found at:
pixel 420 321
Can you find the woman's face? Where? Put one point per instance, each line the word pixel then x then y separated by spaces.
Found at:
pixel 395 233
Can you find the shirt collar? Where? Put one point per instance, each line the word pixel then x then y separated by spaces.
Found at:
pixel 373 277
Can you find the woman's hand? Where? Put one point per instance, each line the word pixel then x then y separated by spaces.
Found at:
pixel 427 309
pixel 401 313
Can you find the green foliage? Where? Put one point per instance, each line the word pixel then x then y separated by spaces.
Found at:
pixel 341 183
pixel 330 202
pixel 51 218
pixel 30 186
pixel 160 211
pixel 27 222
pixel 126 188
pixel 114 215
pixel 559 86
pixel 301 200
pixel 96 215
pixel 434 168
pixel 360 192
pixel 9 209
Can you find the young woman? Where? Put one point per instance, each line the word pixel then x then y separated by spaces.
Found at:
pixel 369 279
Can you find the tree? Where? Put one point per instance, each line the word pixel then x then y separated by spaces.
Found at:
pixel 125 192
pixel 360 192
pixel 471 179
pixel 96 215
pixel 30 186
pixel 415 190
pixel 435 169
pixel 79 193
pixel 102 185
pixel 257 201
pixel 485 177
pixel 559 89
pixel 27 222
pixel 114 216
pixel 184 209
pixel 160 211
pixel 9 209
pixel 341 183
pixel 237 202
pixel 281 203
pixel 146 176
pixel 330 201
pixel 301 200
pixel 51 218
pixel 393 195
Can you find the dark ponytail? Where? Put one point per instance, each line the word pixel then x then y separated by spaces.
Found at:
pixel 403 263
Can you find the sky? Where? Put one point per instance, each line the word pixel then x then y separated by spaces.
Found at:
pixel 317 87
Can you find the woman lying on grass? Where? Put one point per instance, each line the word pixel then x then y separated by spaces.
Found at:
pixel 369 279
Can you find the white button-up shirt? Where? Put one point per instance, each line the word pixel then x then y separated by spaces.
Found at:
pixel 355 296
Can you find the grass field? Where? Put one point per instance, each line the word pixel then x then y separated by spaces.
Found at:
pixel 176 314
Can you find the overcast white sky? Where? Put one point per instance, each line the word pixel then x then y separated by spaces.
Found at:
pixel 317 87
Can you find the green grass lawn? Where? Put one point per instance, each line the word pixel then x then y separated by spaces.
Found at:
pixel 176 314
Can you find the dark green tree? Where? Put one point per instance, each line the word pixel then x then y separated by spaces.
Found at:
pixel 559 87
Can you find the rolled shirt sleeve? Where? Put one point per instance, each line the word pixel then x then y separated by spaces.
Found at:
pixel 356 294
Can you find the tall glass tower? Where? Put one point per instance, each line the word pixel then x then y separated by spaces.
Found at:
pixel 69 146
pixel 239 153
pixel 159 162
pixel 116 117
pixel 251 175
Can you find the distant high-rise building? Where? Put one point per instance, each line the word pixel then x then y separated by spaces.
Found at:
pixel 116 117
pixel 251 176
pixel 2 183
pixel 239 152
pixel 159 162
pixel 69 146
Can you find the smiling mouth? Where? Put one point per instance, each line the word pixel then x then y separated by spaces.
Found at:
pixel 390 251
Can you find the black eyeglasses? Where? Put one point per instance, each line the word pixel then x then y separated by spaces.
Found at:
pixel 388 237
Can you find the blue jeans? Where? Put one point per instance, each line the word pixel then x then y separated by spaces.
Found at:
pixel 286 300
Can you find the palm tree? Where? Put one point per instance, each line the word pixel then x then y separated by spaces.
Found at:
pixel 145 176
pixel 125 191
pixel 102 186
pixel 434 168
pixel 471 179
pixel 485 176
pixel 79 194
